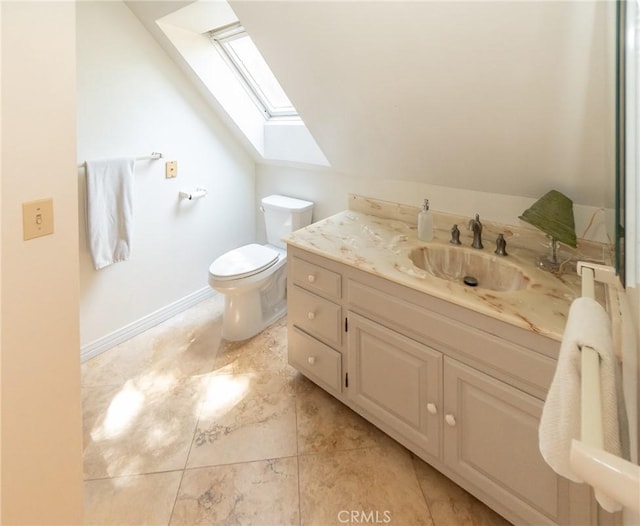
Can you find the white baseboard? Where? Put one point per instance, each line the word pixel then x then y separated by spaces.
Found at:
pixel 105 343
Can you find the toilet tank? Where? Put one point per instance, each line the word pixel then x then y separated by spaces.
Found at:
pixel 283 215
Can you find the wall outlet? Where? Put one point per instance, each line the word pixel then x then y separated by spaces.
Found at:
pixel 37 218
pixel 171 169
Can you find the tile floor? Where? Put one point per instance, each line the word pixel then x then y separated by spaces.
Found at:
pixel 181 427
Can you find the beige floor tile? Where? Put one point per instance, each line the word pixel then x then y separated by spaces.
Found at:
pixel 263 493
pixel 449 503
pixel 377 485
pixel 325 424
pixel 265 352
pixel 245 417
pixel 182 346
pixel 144 426
pixel 238 414
pixel 136 500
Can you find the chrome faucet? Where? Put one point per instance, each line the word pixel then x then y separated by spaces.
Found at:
pixel 476 226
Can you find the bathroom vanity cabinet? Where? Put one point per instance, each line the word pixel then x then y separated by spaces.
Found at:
pixel 463 391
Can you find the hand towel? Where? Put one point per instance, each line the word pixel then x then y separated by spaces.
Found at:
pixel 588 325
pixel 109 210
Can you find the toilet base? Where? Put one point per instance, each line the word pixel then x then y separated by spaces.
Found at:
pixel 248 313
pixel 241 320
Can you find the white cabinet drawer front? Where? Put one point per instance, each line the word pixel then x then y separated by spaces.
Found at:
pixel 316 315
pixel 491 438
pixel 316 278
pixel 397 380
pixel 316 360
pixel 532 371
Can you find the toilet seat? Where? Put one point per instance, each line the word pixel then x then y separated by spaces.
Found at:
pixel 243 262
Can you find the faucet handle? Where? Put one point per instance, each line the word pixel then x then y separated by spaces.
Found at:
pixel 501 246
pixel 455 235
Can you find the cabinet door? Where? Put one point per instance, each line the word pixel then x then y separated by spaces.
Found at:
pixel 397 380
pixel 491 439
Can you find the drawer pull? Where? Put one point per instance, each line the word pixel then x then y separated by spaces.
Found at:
pixel 311 278
pixel 450 420
pixel 311 360
pixel 432 409
pixel 311 315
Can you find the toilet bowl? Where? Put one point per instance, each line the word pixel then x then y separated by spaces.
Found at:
pixel 249 277
pixel 253 277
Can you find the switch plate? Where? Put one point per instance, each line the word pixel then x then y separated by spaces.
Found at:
pixel 171 169
pixel 37 218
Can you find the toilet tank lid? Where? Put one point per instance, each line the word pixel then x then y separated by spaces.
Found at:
pixel 282 202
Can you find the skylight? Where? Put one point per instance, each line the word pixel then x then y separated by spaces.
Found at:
pixel 239 50
pixel 263 117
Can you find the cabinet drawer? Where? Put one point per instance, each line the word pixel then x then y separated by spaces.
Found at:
pixel 316 278
pixel 316 360
pixel 315 315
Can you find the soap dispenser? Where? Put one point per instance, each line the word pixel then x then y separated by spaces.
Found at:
pixel 425 223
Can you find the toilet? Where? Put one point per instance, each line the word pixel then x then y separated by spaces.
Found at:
pixel 253 277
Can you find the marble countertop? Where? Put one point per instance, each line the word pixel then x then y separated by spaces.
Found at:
pixel 377 237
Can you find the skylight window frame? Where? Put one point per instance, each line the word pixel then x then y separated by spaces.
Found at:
pixel 222 36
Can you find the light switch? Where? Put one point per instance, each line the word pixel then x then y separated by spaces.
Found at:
pixel 171 169
pixel 37 218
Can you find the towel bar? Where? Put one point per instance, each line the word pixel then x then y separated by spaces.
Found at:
pixel 154 156
pixel 616 481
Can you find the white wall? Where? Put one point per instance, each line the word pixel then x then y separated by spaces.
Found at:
pixel 329 190
pixel 511 98
pixel 0 261
pixel 132 100
pixel 41 418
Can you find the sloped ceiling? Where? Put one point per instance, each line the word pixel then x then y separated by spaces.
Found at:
pixel 506 97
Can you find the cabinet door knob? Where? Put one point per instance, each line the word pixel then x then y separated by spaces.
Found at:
pixel 311 278
pixel 311 315
pixel 450 420
pixel 432 409
pixel 311 360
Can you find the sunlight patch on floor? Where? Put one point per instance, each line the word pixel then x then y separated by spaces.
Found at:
pixel 223 393
pixel 122 411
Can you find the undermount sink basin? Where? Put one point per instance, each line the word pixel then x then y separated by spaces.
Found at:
pixel 458 264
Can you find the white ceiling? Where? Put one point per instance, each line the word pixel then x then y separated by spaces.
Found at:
pixel 505 97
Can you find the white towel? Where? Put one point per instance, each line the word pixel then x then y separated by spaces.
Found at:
pixel 109 210
pixel 588 325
